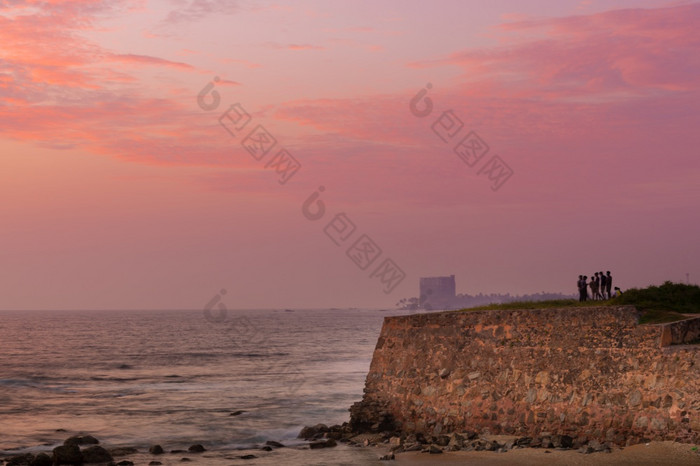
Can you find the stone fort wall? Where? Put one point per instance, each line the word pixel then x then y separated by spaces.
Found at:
pixel 591 373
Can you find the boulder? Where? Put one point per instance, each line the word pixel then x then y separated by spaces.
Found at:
pixel 67 454
pixel 20 460
pixel 562 441
pixel 434 450
pixel 156 450
pixel 310 432
pixel 81 440
pixel 323 444
pixel 273 444
pixel 197 448
pixel 42 459
pixel 96 454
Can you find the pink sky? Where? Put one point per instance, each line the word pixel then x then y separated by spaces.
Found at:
pixel 120 191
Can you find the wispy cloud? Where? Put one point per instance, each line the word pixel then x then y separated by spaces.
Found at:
pixel 196 10
pixel 295 47
pixel 148 60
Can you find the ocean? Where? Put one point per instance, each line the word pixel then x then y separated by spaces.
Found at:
pixel 229 380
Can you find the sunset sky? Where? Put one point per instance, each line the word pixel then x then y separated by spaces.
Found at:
pixel 121 189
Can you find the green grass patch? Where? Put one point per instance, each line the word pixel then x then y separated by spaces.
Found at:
pixel 659 304
pixel 555 303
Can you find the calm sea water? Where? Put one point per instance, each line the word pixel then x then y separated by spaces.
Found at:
pixel 137 378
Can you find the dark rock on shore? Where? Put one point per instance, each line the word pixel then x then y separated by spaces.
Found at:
pixel 321 436
pixel 237 413
pixel 156 450
pixel 96 454
pixel 81 440
pixel 68 455
pixel 42 459
pixel 197 448
pixel 323 444
pixel 312 432
pixel 273 444
pixel 20 460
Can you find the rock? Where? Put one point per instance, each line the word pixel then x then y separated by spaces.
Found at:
pixel 122 451
pixel 197 448
pixel 562 441
pixel 387 457
pixel 237 413
pixel 247 457
pixel 185 459
pixel 310 432
pixel 266 448
pixel 394 443
pixel 524 441
pixel 492 445
pixel 42 459
pixel 443 440
pixel 21 460
pixel 273 444
pixel 67 454
pixel 81 440
pixel 444 373
pixel 156 450
pixel 434 450
pixel 323 444
pixel 96 454
pixel 125 463
pixel 154 463
pixel 598 446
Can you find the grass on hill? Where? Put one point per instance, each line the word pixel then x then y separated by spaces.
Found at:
pixel 659 304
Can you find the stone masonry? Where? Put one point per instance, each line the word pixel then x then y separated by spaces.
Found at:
pixel 589 373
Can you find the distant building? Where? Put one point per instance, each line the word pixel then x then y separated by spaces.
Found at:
pixel 437 292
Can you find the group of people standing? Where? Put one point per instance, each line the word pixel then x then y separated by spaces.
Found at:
pixel 600 285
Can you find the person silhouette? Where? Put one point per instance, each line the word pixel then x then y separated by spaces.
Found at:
pixel 594 285
pixel 584 288
pixel 608 284
pixel 602 285
pixel 581 288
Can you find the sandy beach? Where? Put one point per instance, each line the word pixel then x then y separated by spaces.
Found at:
pixel 651 454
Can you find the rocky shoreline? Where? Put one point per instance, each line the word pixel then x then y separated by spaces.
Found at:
pixel 323 436
pixel 86 449
pixel 79 450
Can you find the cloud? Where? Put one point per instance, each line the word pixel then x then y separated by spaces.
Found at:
pixel 148 60
pixel 196 10
pixel 295 47
pixel 620 54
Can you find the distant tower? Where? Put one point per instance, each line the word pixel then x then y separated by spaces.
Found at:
pixel 437 292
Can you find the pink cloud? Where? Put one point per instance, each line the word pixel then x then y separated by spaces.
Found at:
pixel 196 10
pixel 148 60
pixel 295 47
pixel 615 54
